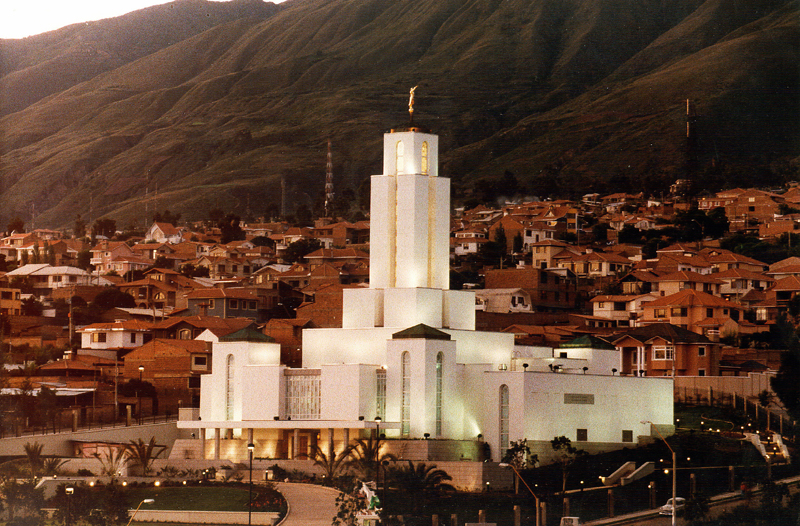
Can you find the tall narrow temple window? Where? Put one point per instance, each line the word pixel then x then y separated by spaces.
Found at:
pixel 503 419
pixel 229 387
pixel 424 161
pixel 405 372
pixel 439 366
pixel 380 387
pixel 398 156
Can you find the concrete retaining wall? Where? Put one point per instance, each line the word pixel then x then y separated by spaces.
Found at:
pixel 206 517
pixel 60 444
pixel 743 386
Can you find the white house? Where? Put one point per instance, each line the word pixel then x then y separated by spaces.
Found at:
pixel 408 353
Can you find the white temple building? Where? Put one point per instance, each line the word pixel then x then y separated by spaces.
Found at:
pixel 408 354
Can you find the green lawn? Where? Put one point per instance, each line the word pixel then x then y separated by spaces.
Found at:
pixel 216 498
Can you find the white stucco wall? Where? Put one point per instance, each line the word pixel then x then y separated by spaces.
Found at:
pixel 264 392
pixel 348 391
pixel 459 310
pixel 362 308
pixel 538 410
pixel 407 307
pixel 422 355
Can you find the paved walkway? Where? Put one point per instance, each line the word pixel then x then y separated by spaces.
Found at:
pixel 309 504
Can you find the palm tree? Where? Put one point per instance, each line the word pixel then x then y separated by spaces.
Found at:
pixel 332 465
pixel 35 458
pixel 113 461
pixel 52 466
pixel 365 455
pixel 421 481
pixel 144 453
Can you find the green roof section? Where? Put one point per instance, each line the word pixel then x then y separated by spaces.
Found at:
pixel 421 331
pixel 248 334
pixel 587 341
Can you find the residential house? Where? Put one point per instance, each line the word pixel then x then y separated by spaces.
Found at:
pixel 663 349
pixel 173 367
pixel 46 278
pixel 104 253
pixel 190 327
pixel 722 260
pixel 289 334
pixel 622 310
pixel 10 301
pixel 544 290
pixel 226 268
pixel 640 281
pixel 161 289
pixel 225 303
pixel 165 233
pixel 675 282
pixel 335 256
pixel 503 300
pixel 698 312
pixel 544 252
pixel 108 340
pixel 736 283
pixel 591 264
pixel 745 208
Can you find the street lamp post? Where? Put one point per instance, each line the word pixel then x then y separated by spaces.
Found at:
pixel 378 458
pixel 674 466
pixel 535 497
pixel 139 394
pixel 69 490
pixel 250 448
pixel 145 501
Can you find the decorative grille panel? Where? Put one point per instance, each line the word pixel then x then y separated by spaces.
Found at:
pixel 302 397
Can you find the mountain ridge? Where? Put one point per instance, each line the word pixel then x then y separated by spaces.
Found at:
pixel 564 94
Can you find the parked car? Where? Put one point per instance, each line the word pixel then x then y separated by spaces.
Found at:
pixel 666 509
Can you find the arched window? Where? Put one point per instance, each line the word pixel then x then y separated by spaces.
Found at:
pixel 503 419
pixel 398 156
pixel 405 405
pixel 160 296
pixel 424 160
pixel 439 371
pixel 229 386
pixel 185 334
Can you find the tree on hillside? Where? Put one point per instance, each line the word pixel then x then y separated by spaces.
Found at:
pixel 104 227
pixel 785 383
pixel 79 227
pixel 230 228
pixel 16 225
pixel 112 297
pixel 167 217
pixel 296 251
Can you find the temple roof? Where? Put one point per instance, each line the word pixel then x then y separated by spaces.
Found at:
pixel 421 331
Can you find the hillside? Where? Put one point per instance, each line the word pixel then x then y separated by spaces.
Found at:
pixel 209 108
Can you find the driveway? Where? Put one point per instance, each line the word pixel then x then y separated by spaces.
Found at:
pixel 309 504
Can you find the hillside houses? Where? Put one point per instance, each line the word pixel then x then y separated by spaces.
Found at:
pixel 666 308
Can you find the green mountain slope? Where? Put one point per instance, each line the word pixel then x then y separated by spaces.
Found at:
pixel 566 94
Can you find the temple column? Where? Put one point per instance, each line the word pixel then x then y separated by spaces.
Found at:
pixel 296 444
pixel 216 443
pixel 330 444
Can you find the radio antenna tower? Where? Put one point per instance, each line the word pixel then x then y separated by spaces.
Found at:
pixel 329 180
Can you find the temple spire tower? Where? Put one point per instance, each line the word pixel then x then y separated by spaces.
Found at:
pixel 410 213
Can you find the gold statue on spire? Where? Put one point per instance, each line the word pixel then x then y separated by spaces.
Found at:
pixel 411 101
